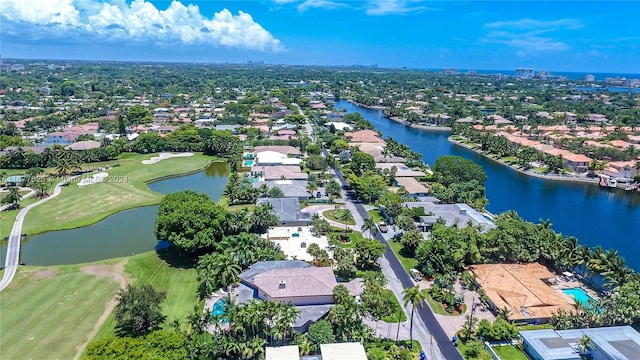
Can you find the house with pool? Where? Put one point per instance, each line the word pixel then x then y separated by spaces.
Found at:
pixel 523 290
pixel 308 287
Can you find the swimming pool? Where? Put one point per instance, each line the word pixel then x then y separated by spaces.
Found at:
pixel 219 309
pixel 247 163
pixel 579 295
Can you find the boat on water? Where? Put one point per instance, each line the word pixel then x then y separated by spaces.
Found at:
pixel 608 182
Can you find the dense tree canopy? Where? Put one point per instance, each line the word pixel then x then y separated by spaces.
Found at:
pixel 139 310
pixel 190 221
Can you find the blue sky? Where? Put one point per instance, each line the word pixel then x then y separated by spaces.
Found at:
pixel 594 36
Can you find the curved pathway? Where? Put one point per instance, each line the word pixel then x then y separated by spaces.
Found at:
pixel 13 247
pixel 322 208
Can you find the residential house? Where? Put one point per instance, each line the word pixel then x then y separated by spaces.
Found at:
pixel 521 290
pixel 597 118
pixel 452 214
pixel 232 128
pixel 402 170
pixel 622 169
pixel 287 210
pixel 59 138
pixel 615 342
pixel 338 125
pixel 364 136
pixel 274 158
pixel 84 145
pixel 307 287
pixel 439 119
pixel 413 186
pixel 279 172
pixel 283 149
pixel 290 188
pixel 576 162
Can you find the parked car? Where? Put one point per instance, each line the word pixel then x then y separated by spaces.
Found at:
pixel 383 226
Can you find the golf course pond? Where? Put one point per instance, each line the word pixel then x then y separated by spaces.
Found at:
pixel 121 234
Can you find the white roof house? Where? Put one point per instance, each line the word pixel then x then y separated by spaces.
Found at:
pixel 290 352
pixel 339 125
pixel 266 158
pixel 341 351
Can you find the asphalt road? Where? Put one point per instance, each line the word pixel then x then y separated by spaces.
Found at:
pixel 13 247
pixel 447 350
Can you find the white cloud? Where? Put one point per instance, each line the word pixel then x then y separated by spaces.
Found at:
pixel 525 34
pixel 141 21
pixel 532 24
pixel 386 7
pixel 324 4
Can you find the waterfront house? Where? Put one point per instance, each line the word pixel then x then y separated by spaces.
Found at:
pixel 622 169
pixel 521 290
pixel 413 186
pixel 290 188
pixel 576 162
pixel 364 136
pixel 338 125
pixel 287 210
pixel 402 170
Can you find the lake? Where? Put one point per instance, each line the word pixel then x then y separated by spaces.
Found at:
pixel 122 234
pixel 609 218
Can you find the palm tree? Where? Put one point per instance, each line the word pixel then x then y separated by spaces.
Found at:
pixel 345 217
pixel 585 346
pixel 368 226
pixel 304 346
pixel 415 297
pixel 227 269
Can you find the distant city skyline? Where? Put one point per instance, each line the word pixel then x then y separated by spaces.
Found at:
pixel 559 36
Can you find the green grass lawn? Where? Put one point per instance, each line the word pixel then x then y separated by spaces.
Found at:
pixel 331 215
pixel 397 310
pixel 126 188
pixel 484 354
pixel 375 215
pixel 8 217
pixel 179 281
pixel 539 170
pixel 407 262
pixel 437 308
pixel 354 236
pixel 53 310
pixel 48 312
pixel 510 352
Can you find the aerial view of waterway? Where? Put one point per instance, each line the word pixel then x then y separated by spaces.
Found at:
pixel 609 218
pixel 122 234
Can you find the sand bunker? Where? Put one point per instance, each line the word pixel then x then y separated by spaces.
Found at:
pixel 94 179
pixel 163 156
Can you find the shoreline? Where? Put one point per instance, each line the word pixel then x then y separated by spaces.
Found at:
pixel 526 172
pixel 372 107
pixel 420 127
pixel 136 206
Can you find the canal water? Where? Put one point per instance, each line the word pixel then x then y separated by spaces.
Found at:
pixel 124 233
pixel 609 218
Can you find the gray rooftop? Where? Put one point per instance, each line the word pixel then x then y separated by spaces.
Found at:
pixel 290 188
pixel 287 209
pixel 617 342
pixel 264 266
pixel 311 313
pixel 227 127
pixel 454 213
